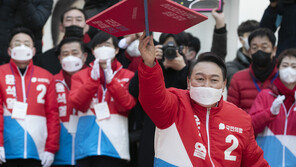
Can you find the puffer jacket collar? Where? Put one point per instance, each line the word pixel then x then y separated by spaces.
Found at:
pixel 200 110
pixel 16 69
pixel 242 58
pixel 270 77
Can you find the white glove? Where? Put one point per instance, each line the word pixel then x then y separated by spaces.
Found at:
pixel 109 72
pixel 47 159
pixel 122 44
pixel 2 155
pixel 276 105
pixel 95 72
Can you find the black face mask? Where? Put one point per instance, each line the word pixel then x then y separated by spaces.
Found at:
pixel 74 31
pixel 263 73
pixel 261 59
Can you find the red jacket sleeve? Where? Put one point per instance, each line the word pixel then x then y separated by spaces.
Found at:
pixel 1 122
pixel 121 95
pixel 233 92
pixel 52 119
pixel 253 154
pixel 260 112
pixel 82 91
pixel 160 104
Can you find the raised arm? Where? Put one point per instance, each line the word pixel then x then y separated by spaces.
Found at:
pixel 160 104
pixel 270 17
pixel 219 43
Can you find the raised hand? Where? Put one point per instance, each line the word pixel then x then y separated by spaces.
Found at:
pixel 147 49
pixel 109 72
pixel 95 72
pixel 219 19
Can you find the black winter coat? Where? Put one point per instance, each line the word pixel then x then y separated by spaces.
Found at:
pixel 31 14
pixel 287 32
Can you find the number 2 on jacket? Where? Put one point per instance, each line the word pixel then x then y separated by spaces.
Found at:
pixel 234 145
pixel 40 97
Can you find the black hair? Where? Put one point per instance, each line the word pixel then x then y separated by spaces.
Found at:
pixel 101 37
pixel 286 53
pixel 193 42
pixel 263 32
pixel 181 38
pixel 209 57
pixel 69 9
pixel 18 30
pixel 247 26
pixel 70 40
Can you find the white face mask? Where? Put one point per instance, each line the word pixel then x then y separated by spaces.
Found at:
pixel 133 49
pixel 22 53
pixel 246 43
pixel 104 53
pixel 71 63
pixel 288 75
pixel 205 95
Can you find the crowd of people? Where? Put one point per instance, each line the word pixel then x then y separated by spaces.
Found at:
pixel 97 100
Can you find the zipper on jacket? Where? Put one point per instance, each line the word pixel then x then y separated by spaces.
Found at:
pixel 73 150
pixel 285 131
pixel 99 142
pixel 208 135
pixel 24 100
pixel 284 147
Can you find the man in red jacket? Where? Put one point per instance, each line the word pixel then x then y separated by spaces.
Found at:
pixel 195 127
pixel 246 84
pixel 72 57
pixel 30 131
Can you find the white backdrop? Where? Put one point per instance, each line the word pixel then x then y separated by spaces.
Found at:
pixel 236 11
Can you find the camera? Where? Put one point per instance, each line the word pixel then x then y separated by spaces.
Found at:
pixel 169 50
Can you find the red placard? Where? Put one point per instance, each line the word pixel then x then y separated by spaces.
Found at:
pixel 127 17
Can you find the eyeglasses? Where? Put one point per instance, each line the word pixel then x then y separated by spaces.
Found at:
pixel 19 43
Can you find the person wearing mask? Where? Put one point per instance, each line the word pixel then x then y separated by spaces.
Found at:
pixel 243 59
pixel 246 84
pixel 72 58
pixel 141 123
pixel 31 14
pixel 274 117
pixel 101 94
pixel 30 128
pixel 73 25
pixel 195 127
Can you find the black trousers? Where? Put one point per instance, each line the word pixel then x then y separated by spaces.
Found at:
pixel 101 161
pixel 22 163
